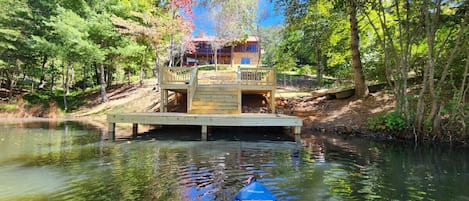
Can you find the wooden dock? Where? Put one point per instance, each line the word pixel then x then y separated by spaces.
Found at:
pixel 204 120
pixel 214 98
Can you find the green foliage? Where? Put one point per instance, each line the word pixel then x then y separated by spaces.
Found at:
pixel 377 122
pixel 306 70
pixel 395 121
pixel 74 99
pixel 392 122
pixel 8 107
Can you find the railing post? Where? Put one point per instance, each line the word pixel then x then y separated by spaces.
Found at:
pixel 239 74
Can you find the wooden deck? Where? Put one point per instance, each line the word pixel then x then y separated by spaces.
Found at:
pixel 214 98
pixel 217 92
pixel 204 120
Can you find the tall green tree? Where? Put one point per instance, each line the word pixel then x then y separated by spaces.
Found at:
pixel 313 18
pixel 14 18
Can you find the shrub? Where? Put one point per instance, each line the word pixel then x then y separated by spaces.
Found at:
pixel 377 123
pixel 395 121
pixel 8 107
pixel 392 121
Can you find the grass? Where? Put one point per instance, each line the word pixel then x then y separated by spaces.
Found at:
pixel 8 107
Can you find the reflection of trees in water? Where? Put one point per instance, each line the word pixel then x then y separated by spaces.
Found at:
pixel 325 168
pixel 366 170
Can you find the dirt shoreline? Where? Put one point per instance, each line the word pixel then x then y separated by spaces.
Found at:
pixel 345 117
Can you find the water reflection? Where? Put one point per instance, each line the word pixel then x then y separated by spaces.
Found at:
pixel 69 161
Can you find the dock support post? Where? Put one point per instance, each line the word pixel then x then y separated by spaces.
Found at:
pixel 111 131
pixel 204 132
pixel 164 100
pixel 272 101
pixel 297 132
pixel 134 130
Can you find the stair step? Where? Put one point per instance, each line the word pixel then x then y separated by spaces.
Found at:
pixel 216 89
pixel 214 99
pixel 214 103
pixel 211 107
pixel 205 111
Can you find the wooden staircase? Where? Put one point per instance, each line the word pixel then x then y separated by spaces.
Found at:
pixel 216 92
pixel 219 99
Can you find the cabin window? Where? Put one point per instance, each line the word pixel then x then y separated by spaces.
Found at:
pixel 252 47
pixel 245 60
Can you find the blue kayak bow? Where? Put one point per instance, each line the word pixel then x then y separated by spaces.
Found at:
pixel 254 191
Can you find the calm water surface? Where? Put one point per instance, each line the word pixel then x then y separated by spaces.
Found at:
pixel 69 161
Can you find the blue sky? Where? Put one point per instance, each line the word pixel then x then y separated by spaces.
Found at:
pixel 203 23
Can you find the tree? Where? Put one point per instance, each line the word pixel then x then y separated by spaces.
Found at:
pixel 72 33
pixel 303 15
pixel 361 89
pixel 216 44
pixel 233 20
pixel 13 20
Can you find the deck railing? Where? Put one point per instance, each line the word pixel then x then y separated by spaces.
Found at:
pixel 193 82
pixel 256 76
pixel 176 75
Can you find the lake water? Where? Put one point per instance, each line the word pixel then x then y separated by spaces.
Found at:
pixel 69 161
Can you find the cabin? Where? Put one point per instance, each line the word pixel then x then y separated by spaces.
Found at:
pixel 246 52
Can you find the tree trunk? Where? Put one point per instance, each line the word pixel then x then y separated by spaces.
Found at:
pixel 232 55
pixel 52 66
pixel 84 78
pixel 258 47
pixel 181 56
pixel 108 73
pixel 319 64
pixel 65 90
pixel 128 76
pixel 284 79
pixel 141 75
pixel 361 90
pixel 42 79
pixel 11 87
pixel 143 64
pixel 216 60
pixel 67 79
pixel 158 68
pixel 97 76
pixel 431 22
pixel 103 85
pixel 170 52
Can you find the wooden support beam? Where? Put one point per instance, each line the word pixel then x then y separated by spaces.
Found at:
pixel 240 101
pixel 272 100
pixel 164 100
pixel 134 130
pixel 297 132
pixel 112 131
pixel 204 132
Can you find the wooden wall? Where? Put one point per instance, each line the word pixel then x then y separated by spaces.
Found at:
pixel 253 57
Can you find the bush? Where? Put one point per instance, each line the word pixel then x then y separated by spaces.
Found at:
pixel 377 123
pixel 392 121
pixel 8 107
pixel 395 121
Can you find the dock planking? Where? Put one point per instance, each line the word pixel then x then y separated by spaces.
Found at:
pixel 204 120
